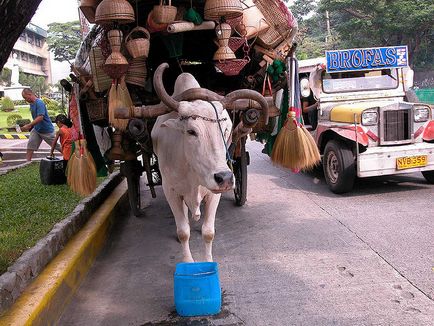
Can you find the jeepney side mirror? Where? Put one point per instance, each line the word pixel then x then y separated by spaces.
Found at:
pixel 304 88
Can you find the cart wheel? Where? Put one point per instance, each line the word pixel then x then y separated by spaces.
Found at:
pixel 131 169
pixel 240 172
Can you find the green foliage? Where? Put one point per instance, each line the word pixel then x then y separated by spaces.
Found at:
pixel 7 104
pixel 54 108
pixel 5 76
pixel 36 83
pixel 22 122
pixel 20 102
pixel 23 111
pixel 64 40
pixel 46 100
pixel 29 211
pixel 12 119
pixel 365 23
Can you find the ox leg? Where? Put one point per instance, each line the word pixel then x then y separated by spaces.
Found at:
pixel 208 230
pixel 180 211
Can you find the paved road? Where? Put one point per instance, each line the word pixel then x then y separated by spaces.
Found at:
pixel 295 254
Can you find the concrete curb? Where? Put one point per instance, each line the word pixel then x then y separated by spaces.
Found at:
pixel 33 261
pixel 14 136
pixel 6 170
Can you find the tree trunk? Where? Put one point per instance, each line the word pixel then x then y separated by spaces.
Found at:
pixel 15 15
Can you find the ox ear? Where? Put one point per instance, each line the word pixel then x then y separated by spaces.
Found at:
pixel 173 124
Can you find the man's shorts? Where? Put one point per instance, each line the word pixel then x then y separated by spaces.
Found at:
pixel 36 138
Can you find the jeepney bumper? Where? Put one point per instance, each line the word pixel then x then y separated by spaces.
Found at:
pixel 383 160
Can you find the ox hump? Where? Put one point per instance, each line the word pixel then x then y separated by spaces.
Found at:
pixel 184 82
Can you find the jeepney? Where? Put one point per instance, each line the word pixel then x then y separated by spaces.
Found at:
pixel 363 115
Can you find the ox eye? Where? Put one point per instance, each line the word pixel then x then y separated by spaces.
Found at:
pixel 192 132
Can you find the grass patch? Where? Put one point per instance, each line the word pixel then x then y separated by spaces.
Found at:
pixel 23 111
pixel 29 211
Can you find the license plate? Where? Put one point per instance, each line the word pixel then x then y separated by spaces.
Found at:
pixel 411 162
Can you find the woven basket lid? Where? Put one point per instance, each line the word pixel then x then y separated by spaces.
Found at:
pixel 215 9
pixel 110 11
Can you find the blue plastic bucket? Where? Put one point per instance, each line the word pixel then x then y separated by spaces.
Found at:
pixel 197 289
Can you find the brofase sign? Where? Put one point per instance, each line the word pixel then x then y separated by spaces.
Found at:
pixel 367 59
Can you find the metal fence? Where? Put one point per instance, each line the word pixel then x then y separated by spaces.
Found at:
pixel 425 95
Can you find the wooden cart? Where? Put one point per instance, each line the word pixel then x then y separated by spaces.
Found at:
pixel 187 48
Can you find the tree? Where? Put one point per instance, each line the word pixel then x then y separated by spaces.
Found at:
pixel 36 83
pixel 365 23
pixel 5 77
pixel 15 16
pixel 64 40
pixel 312 35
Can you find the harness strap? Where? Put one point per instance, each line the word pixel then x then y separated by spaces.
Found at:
pixel 228 156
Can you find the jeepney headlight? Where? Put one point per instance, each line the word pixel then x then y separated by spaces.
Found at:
pixel 421 114
pixel 369 118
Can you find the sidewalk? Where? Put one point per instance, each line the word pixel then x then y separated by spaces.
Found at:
pixel 14 153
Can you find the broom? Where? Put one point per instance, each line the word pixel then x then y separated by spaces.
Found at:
pixel 294 147
pixel 81 170
pixel 116 94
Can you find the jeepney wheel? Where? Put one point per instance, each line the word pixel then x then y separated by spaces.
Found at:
pixel 240 173
pixel 429 176
pixel 339 167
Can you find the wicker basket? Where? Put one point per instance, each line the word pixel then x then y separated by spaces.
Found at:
pixel 253 21
pixel 138 47
pixel 153 26
pixel 101 81
pixel 215 9
pixel 137 72
pixel 88 8
pixel 280 20
pixel 114 11
pixel 236 42
pixel 97 110
pixel 116 65
pixel 231 67
pixel 164 14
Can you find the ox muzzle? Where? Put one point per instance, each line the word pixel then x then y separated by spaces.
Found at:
pixel 224 180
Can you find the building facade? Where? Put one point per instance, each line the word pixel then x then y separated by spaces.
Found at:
pixel 32 54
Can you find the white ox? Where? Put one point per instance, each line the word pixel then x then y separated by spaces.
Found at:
pixel 192 157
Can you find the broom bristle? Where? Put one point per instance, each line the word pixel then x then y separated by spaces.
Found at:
pixel 82 170
pixel 115 95
pixel 312 152
pixel 294 148
pixel 72 167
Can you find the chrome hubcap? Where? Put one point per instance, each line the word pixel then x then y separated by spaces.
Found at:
pixel 332 167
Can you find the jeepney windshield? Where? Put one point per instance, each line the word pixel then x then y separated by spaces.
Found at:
pixel 355 81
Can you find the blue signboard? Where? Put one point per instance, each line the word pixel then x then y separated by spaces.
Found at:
pixel 367 59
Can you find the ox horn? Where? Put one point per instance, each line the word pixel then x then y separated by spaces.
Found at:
pixel 161 91
pixel 200 94
pixel 247 94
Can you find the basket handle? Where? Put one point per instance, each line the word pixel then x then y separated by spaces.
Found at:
pixel 162 3
pixel 138 29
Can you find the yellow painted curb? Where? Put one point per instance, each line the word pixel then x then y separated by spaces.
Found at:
pixel 45 298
